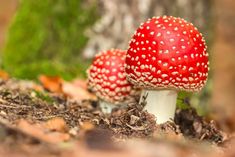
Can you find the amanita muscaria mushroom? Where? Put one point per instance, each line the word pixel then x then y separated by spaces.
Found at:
pixel 166 55
pixel 107 79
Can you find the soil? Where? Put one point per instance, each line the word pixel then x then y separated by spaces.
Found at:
pixel 32 121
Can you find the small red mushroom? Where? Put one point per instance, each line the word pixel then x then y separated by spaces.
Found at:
pixel 166 55
pixel 107 79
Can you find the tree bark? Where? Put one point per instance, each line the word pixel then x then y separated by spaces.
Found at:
pixel 120 18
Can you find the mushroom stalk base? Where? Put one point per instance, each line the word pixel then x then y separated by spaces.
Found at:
pixel 106 107
pixel 161 103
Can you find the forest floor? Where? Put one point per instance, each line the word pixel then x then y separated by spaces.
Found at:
pixel 35 122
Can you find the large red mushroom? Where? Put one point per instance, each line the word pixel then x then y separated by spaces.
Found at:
pixel 107 79
pixel 166 55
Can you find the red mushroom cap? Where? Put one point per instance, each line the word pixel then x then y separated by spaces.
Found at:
pixel 107 78
pixel 167 52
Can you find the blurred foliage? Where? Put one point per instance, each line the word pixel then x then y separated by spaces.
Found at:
pixel 46 37
pixel 183 100
pixel 186 100
pixel 44 96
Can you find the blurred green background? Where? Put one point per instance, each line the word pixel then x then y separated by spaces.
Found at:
pixel 47 38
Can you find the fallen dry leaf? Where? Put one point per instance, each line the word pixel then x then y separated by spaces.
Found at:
pixel 56 124
pixel 42 133
pixel 37 87
pixel 87 126
pixel 4 75
pixel 168 131
pixel 80 82
pixel 77 92
pixel 51 83
pixel 75 89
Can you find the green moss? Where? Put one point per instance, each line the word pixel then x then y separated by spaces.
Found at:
pixel 43 96
pixel 183 100
pixel 46 37
pixel 186 100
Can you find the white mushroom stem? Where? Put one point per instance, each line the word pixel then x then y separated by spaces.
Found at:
pixel 106 107
pixel 161 103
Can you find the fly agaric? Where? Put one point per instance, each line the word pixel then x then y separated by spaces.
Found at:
pixel 107 79
pixel 166 55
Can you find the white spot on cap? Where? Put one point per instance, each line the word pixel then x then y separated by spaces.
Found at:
pixel 176 28
pixel 166 51
pixel 112 78
pixel 192 55
pixel 165 64
pixel 164 75
pixel 190 79
pixel 185 79
pixel 153 69
pixel 174 72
